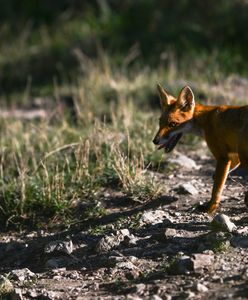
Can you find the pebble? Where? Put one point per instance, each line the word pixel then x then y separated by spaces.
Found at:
pixel 58 246
pixel 23 274
pixel 183 161
pixel 154 217
pixel 222 222
pixel 187 188
pixel 201 288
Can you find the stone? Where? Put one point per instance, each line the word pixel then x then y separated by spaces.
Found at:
pixel 187 188
pixel 124 232
pixel 201 288
pixel 140 287
pixel 183 161
pixel 222 222
pixel 155 297
pixel 130 240
pixel 23 274
pixel 53 295
pixel 33 294
pixel 133 297
pixel 170 233
pixel 201 261
pixel 153 217
pixel 109 242
pixel 182 265
pixel 194 263
pixel 126 265
pixel 59 247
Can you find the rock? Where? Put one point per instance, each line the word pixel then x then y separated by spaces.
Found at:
pixel 243 231
pixel 59 247
pixel 183 161
pixel 187 188
pixel 6 287
pixel 222 222
pixel 182 265
pixel 196 263
pixel 140 287
pixel 130 240
pixel 201 261
pixel 201 288
pixel 53 295
pixel 107 243
pixel 133 297
pixel 123 232
pixel 111 241
pixel 154 217
pixel 155 297
pixel 126 265
pixel 165 235
pixel 33 294
pixel 23 274
pixel 170 233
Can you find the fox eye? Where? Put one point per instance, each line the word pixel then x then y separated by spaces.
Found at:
pixel 172 124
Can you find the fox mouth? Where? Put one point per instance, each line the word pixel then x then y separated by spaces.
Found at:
pixel 170 144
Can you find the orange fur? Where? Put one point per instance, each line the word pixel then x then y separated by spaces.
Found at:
pixel 225 129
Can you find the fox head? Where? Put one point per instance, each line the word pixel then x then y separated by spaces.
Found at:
pixel 175 117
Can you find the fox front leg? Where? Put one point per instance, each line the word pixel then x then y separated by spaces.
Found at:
pixel 220 176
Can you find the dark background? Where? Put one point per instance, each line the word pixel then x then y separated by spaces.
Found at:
pixel 38 38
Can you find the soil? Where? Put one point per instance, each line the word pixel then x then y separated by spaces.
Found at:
pixel 145 261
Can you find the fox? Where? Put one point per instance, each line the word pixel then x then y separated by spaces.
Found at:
pixel 225 129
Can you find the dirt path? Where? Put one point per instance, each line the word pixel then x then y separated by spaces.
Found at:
pixel 160 250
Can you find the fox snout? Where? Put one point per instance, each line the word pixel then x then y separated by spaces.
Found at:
pixel 156 140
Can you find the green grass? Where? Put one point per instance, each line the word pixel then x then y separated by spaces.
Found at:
pixel 48 170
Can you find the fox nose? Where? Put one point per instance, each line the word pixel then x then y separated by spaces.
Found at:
pixel 156 140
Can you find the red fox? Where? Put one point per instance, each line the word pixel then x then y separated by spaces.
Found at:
pixel 225 129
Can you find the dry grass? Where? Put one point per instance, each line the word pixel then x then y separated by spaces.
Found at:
pixel 46 167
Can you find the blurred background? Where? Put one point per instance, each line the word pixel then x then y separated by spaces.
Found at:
pixel 44 41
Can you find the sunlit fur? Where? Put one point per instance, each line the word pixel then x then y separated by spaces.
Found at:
pixel 225 129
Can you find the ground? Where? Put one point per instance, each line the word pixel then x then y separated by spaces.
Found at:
pixel 130 253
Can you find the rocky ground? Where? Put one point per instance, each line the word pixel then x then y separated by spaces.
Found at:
pixel 163 249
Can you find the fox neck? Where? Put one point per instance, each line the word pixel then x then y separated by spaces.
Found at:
pixel 200 118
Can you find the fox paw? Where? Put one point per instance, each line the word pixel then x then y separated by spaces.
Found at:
pixel 206 208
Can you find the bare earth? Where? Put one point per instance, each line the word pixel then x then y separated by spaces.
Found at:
pixel 140 251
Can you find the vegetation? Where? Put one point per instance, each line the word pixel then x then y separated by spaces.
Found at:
pixel 109 61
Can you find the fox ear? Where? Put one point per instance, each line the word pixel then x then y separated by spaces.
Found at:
pixel 165 98
pixel 186 99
